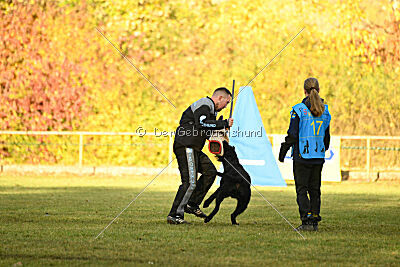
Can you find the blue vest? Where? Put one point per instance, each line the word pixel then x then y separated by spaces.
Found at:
pixel 312 132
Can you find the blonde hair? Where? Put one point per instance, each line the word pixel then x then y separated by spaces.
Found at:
pixel 311 86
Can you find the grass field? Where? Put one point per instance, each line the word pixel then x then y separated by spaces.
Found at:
pixel 49 220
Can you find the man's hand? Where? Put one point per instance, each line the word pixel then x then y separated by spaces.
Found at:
pixel 230 122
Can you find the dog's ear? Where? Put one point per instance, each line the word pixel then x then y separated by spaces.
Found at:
pixel 227 147
pixel 232 148
pixel 226 135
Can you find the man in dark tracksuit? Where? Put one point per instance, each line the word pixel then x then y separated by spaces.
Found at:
pixel 307 171
pixel 196 125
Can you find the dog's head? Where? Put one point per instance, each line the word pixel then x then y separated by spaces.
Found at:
pixel 229 151
pixel 216 142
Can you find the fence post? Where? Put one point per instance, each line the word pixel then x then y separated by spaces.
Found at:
pixel 80 149
pixel 368 158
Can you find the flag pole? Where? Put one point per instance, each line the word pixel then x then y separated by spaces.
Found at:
pixel 233 97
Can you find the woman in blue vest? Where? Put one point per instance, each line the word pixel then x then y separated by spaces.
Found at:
pixel 309 138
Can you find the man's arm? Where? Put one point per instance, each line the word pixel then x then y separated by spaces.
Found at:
pixel 202 119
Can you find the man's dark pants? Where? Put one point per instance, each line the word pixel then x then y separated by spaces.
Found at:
pixel 308 181
pixel 192 191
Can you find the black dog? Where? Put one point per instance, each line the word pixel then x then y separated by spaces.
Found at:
pixel 233 184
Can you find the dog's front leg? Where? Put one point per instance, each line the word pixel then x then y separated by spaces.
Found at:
pixel 211 198
pixel 218 202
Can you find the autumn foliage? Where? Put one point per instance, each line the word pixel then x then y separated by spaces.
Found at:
pixel 40 90
pixel 379 43
pixel 58 73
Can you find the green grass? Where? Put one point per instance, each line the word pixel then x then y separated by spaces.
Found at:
pixel 360 225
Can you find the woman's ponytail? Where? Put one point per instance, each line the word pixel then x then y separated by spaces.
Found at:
pixel 312 88
pixel 317 107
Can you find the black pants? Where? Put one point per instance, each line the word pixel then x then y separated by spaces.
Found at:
pixel 308 181
pixel 192 191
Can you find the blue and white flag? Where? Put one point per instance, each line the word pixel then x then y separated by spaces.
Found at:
pixel 252 145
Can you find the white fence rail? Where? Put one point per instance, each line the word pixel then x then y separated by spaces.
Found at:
pixel 170 136
pixel 83 134
pixel 368 148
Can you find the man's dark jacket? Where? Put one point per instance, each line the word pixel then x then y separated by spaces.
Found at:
pixel 197 123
